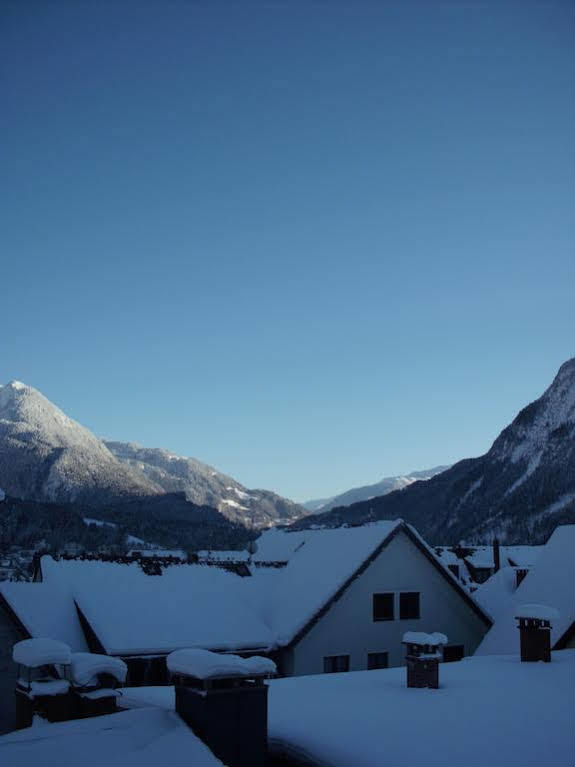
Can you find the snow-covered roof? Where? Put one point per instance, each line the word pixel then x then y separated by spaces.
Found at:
pixel 370 718
pixel 206 607
pixel 46 610
pixel 319 564
pixel 85 666
pixel 550 582
pixel 188 606
pixel 203 664
pixel 147 737
pixel 482 556
pixel 41 652
pixel 499 711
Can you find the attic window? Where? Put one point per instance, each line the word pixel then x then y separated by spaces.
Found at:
pixel 409 605
pixel 383 607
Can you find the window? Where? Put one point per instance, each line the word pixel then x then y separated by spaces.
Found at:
pixel 409 605
pixel 334 663
pixel 377 660
pixel 453 652
pixel 383 607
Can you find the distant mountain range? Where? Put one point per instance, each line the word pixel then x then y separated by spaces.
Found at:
pixel 47 457
pixel 519 490
pixel 366 492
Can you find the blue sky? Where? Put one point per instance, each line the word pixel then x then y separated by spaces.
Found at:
pixel 312 244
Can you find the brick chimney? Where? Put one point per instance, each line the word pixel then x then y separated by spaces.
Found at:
pixel 423 653
pixel 534 624
pixel 224 700
pixel 496 555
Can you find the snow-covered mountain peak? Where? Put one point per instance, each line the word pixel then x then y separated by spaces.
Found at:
pixel 538 425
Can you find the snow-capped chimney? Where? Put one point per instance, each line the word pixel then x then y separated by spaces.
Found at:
pixel 496 555
pixel 223 698
pixel 534 624
pixel 423 653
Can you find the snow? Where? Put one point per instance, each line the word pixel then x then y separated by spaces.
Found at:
pixel 98 522
pixel 97 694
pixel 132 540
pixel 557 408
pixel 143 738
pixel 86 666
pixel 46 610
pixel 420 637
pixel 41 652
pixel 549 582
pixel 234 504
pixel 533 463
pixel 193 605
pixel 142 697
pixel 559 504
pixel 188 606
pixel 203 664
pixel 491 711
pixel 540 612
pixel 53 687
pixel 320 561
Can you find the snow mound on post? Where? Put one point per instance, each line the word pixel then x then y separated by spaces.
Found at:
pixel 540 612
pixel 420 637
pixel 203 664
pixel 86 666
pixel 41 652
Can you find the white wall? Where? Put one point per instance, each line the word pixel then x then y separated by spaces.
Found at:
pixel 348 627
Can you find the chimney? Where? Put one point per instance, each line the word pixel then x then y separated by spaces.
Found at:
pixel 224 700
pixel 496 555
pixel 534 624
pixel 41 684
pixel 423 653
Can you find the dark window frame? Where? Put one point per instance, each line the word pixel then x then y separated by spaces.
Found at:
pixel 332 663
pixel 379 613
pixel 372 664
pixel 406 611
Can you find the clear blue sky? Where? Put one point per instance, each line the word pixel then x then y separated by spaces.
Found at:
pixel 312 244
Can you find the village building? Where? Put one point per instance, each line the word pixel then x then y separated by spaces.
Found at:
pixel 474 565
pixel 550 583
pixel 315 601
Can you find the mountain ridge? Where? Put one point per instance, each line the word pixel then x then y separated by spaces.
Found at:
pixel 46 456
pixel 519 490
pixel 366 492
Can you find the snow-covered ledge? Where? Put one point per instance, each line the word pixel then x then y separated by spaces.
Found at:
pixel 536 612
pixel 204 664
pixel 41 652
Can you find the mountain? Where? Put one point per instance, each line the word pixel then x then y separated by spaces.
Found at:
pixel 47 457
pixel 519 490
pixel 366 492
pixel 204 485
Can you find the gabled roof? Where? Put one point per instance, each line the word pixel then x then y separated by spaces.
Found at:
pixel 551 582
pixel 374 538
pixel 45 610
pixel 133 613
